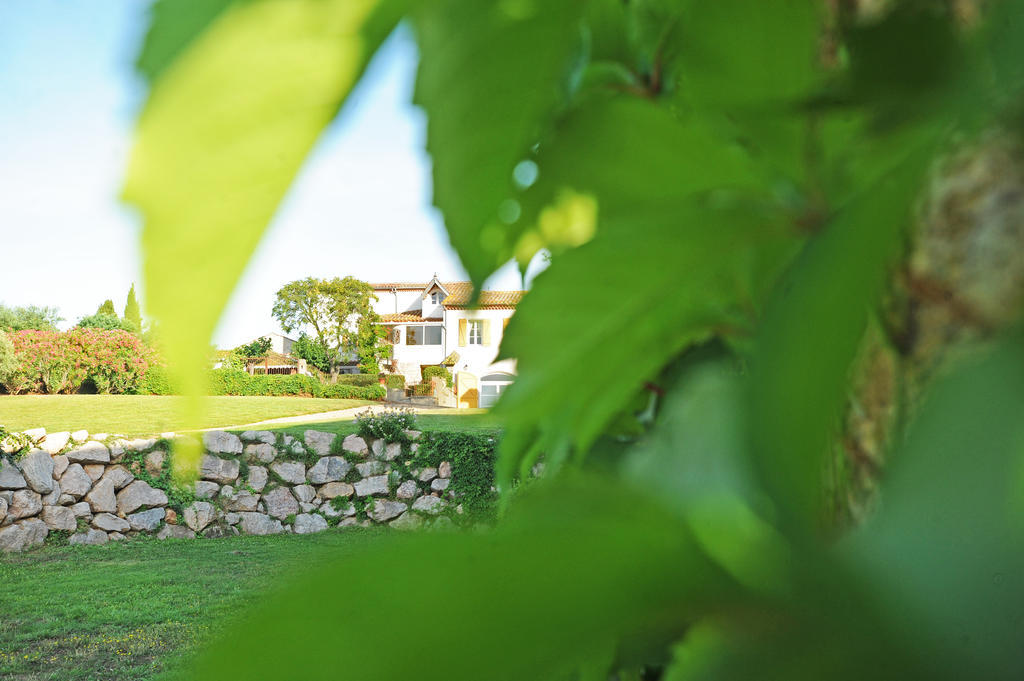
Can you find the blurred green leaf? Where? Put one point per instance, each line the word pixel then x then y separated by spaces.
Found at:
pixel 572 568
pixel 749 66
pixel 811 330
pixel 224 131
pixel 173 24
pixel 1004 41
pixel 697 446
pixel 945 556
pixel 748 54
pixel 694 460
pixel 706 267
pixel 910 57
pixel 491 76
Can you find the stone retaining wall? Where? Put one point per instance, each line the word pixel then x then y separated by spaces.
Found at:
pixel 99 488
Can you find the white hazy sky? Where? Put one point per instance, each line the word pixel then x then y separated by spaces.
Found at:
pixel 360 207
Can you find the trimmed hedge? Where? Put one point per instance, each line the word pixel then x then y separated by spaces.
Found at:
pixel 353 392
pixel 228 382
pixel 362 380
pixel 236 382
pixel 395 382
pixel 155 382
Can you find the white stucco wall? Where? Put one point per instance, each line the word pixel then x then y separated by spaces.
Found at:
pixel 389 302
pixel 477 359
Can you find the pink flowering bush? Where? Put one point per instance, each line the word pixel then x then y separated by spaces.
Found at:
pixel 55 362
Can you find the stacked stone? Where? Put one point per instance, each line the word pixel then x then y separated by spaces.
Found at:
pixel 78 483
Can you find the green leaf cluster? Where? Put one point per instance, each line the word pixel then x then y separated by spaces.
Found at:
pixel 724 189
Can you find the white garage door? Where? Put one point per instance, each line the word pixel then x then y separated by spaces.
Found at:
pixel 491 387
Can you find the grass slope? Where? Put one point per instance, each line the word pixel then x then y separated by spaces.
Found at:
pixel 133 610
pixel 148 414
pixel 463 420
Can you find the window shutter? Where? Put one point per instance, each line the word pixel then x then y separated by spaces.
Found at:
pixel 485 331
pixel 462 333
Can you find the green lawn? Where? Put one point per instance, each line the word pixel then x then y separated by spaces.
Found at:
pixel 132 610
pixel 463 420
pixel 148 414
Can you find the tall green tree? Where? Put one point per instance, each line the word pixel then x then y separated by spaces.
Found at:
pixel 132 313
pixel 107 308
pixel 340 313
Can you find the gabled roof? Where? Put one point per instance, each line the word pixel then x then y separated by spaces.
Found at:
pixel 459 294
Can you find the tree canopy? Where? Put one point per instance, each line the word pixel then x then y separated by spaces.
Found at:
pixel 105 320
pixel 257 348
pixel 28 317
pixel 340 313
pixel 107 308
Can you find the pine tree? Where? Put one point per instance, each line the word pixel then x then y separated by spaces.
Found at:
pixel 132 314
pixel 107 308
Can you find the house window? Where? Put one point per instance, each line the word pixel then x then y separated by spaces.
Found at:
pixel 436 297
pixel 423 335
pixel 476 332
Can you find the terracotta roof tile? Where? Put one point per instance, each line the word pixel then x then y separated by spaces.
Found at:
pixel 459 294
pixel 404 285
pixel 401 317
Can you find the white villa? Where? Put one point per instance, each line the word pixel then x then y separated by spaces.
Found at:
pixel 431 324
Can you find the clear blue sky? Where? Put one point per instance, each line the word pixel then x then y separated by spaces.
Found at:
pixel 360 207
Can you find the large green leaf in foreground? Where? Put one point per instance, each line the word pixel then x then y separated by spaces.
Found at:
pixel 226 127
pixel 574 573
pixel 946 553
pixel 491 76
pixel 812 328
pixel 664 267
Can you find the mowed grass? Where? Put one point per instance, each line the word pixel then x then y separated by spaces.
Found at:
pixel 136 609
pixel 149 414
pixel 462 420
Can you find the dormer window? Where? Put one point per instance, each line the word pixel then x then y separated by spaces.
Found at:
pixel 436 297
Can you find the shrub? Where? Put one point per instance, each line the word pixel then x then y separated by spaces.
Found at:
pixel 235 382
pixel 363 380
pixel 389 425
pixel 8 362
pixel 422 389
pixel 354 392
pixel 117 359
pixel 155 382
pixel 430 372
pixel 53 362
pixel 395 382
